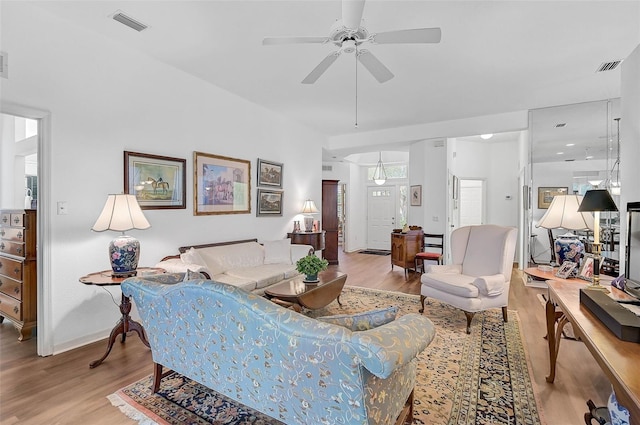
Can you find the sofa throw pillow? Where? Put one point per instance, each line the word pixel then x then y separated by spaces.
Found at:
pixel 192 257
pixel 191 275
pixel 277 252
pixel 363 321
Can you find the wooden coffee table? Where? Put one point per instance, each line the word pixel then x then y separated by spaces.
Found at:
pixel 296 294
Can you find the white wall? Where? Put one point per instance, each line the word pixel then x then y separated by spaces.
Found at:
pixel 629 140
pixel 105 99
pixel 428 167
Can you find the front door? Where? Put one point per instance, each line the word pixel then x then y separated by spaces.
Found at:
pixel 380 216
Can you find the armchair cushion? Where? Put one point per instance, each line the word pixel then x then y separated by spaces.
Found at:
pixel 490 285
pixel 363 321
pixel 455 284
pixel 444 268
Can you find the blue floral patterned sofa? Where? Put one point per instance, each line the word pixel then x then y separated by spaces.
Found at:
pixel 291 367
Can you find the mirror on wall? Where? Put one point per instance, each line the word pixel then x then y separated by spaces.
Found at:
pixel 574 148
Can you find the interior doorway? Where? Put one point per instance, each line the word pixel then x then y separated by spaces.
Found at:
pixel 28 167
pixel 472 202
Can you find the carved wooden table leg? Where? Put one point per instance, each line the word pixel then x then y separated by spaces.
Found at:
pixel 124 325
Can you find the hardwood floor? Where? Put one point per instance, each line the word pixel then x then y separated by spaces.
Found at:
pixel 62 389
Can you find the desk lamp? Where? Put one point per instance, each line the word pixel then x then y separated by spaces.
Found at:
pixel 122 213
pixel 597 200
pixel 563 214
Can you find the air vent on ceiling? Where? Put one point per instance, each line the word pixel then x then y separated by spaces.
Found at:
pixel 438 144
pixel 4 65
pixel 560 125
pixel 327 168
pixel 608 66
pixel 121 17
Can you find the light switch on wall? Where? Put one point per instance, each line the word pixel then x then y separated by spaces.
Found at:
pixel 63 208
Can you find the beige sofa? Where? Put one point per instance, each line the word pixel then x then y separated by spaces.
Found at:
pixel 245 264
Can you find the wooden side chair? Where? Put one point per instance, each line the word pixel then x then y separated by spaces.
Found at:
pixel 432 241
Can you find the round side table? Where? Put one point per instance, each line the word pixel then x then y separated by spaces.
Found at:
pixel 125 324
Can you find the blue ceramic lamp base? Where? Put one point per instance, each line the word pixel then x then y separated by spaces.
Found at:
pixel 124 252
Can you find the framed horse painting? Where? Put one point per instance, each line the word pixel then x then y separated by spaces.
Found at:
pixel 222 185
pixel 158 182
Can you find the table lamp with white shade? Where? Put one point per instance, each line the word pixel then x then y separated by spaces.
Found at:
pixel 595 201
pixel 122 213
pixel 563 214
pixel 308 209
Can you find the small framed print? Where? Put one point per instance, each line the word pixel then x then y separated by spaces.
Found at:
pixel 269 203
pixel 269 173
pixel 566 269
pixel 546 194
pixel 588 264
pixel 416 195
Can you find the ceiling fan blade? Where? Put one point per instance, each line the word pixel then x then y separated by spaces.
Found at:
pixel 417 35
pixel 272 41
pixel 321 68
pixel 352 13
pixel 374 66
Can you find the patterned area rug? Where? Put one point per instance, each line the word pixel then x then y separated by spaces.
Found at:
pixel 481 378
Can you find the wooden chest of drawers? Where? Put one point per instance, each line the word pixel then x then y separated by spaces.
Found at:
pixel 18 270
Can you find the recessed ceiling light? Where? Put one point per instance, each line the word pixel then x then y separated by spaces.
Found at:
pixel 570 144
pixel 589 157
pixel 486 136
pixel 560 153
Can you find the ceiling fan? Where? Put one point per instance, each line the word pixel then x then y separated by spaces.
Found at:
pixel 348 35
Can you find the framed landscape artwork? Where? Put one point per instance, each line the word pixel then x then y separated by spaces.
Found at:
pixel 269 173
pixel 416 195
pixel 546 194
pixel 158 182
pixel 221 185
pixel 269 203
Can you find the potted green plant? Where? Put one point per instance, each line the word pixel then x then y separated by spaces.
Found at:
pixel 310 266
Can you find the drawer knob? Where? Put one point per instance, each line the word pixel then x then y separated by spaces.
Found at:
pixel 16 270
pixel 15 309
pixel 4 219
pixel 16 290
pixel 1 282
pixel 16 220
pixel 2 245
pixel 19 250
pixel 2 232
pixel 19 235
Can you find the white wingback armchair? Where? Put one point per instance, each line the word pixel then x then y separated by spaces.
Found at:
pixel 479 276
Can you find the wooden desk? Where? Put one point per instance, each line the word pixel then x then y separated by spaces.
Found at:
pixel 126 323
pixel 618 359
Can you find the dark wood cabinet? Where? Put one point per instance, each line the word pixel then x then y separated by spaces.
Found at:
pixel 404 247
pixel 18 271
pixel 330 221
pixel 315 239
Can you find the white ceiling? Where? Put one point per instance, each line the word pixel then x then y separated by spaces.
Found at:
pixel 494 57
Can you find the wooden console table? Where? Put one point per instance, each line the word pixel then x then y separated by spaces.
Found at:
pixel 618 359
pixel 315 239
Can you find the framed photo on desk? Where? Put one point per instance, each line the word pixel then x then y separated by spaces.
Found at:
pixel 586 271
pixel 566 269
